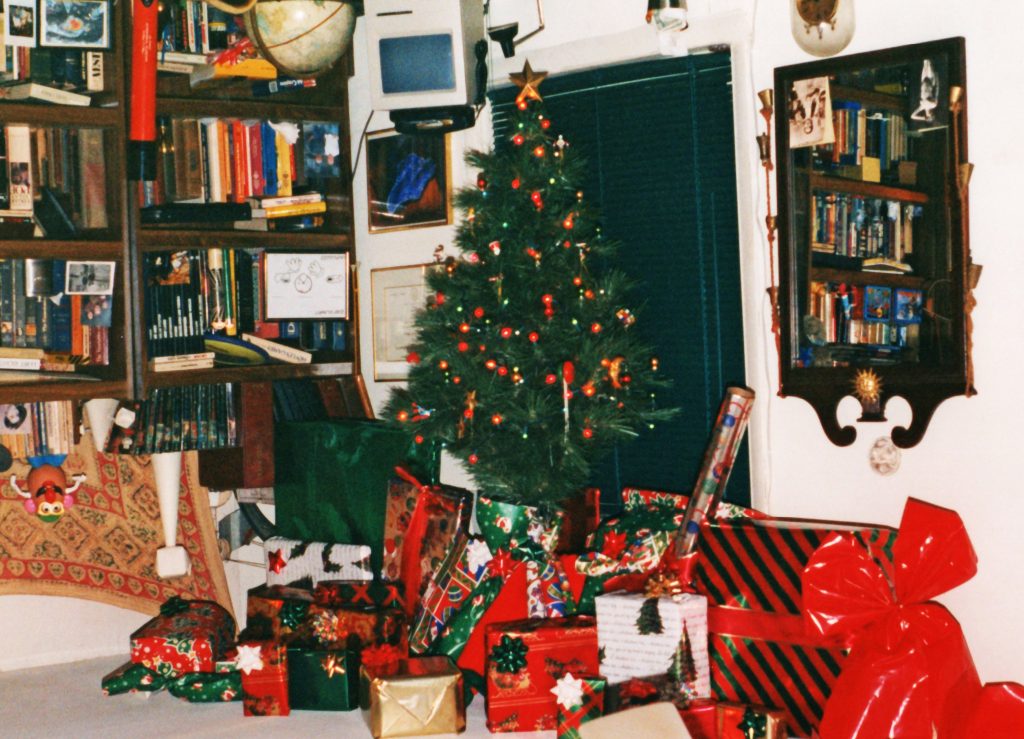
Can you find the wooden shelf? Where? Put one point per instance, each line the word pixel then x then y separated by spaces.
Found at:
pixel 820 182
pixel 84 249
pixel 269 109
pixel 255 373
pixel 860 277
pixel 154 239
pixel 65 116
pixel 869 98
pixel 45 389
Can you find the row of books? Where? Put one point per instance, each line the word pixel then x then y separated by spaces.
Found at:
pixel 191 294
pixel 855 226
pixel 867 314
pixel 37 313
pixel 63 76
pixel 860 132
pixel 219 160
pixel 176 419
pixel 38 429
pixel 52 181
pixel 193 27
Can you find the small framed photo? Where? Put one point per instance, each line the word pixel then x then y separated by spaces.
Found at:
pixel 305 286
pixel 909 304
pixel 877 303
pixel 408 180
pixel 20 22
pixel 79 24
pixel 397 294
pixel 809 112
pixel 89 278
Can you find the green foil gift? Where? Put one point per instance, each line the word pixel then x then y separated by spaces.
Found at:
pixel 322 679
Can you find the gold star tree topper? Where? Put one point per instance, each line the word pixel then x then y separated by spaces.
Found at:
pixel 528 82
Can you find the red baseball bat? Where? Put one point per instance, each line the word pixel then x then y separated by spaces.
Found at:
pixel 142 129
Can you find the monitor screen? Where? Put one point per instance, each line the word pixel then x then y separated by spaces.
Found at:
pixel 417 63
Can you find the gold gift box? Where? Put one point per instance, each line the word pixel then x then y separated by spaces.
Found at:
pixel 411 697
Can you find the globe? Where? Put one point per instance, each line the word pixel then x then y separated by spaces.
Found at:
pixel 302 38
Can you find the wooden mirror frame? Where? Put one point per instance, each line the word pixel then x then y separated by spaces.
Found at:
pixel 932 361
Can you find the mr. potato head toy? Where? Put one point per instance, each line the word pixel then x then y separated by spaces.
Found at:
pixel 48 495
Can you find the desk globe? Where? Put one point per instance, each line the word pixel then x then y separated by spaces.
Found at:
pixel 302 38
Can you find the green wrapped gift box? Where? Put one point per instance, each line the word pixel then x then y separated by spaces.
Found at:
pixel 323 679
pixel 331 479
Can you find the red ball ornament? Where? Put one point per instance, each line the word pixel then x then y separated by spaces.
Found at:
pixel 567 224
pixel 502 371
pixel 547 298
pixel 535 196
pixel 463 346
pixel 518 139
pixel 549 311
pixel 443 364
pixel 534 337
pixel 468 413
pixel 589 389
pixel 506 332
pixel 402 416
pixel 595 328
pixel 522 104
pixel 588 433
pixel 577 281
pixel 545 124
pixel 439 299
pixel 496 419
pixel 478 312
pixel 482 347
pixel 481 183
pixel 418 438
pixel 516 183
pixel 464 328
pixel 412 358
pixel 473 459
pixel 626 379
pixel 456 380
pixel 588 294
pixel 490 364
pixel 551 379
pixel 539 151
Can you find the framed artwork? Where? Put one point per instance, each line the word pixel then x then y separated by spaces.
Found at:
pixel 397 293
pixel 89 278
pixel 79 24
pixel 809 112
pixel 408 180
pixel 877 303
pixel 20 22
pixel 305 286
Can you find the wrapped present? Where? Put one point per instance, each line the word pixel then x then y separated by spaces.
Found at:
pixel 187 636
pixel 524 660
pixel 358 593
pixel 412 697
pixel 264 670
pixel 131 677
pixel 522 579
pixel 701 718
pixel 909 672
pixel 278 612
pixel 208 687
pixel 308 562
pixel 737 721
pixel 582 517
pixel 449 586
pixel 331 478
pixel 421 524
pixel 761 653
pixel 356 627
pixel 642 635
pixel 323 679
pixel 578 699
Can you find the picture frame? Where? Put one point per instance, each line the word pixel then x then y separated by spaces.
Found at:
pixel 408 180
pixel 877 303
pixel 20 23
pixel 305 286
pixel 397 293
pixel 89 278
pixel 75 24
pixel 909 305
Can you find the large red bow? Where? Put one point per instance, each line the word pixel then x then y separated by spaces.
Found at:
pixel 909 670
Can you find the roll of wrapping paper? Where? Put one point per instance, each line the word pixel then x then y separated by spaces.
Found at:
pixel 726 435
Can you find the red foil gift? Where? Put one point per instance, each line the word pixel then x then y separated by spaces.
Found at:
pixel 909 671
pixel 524 660
pixel 264 668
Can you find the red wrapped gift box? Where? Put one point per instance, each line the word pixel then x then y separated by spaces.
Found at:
pixel 761 653
pixel 578 699
pixel 264 668
pixel 357 627
pixel 187 636
pixel 277 612
pixel 524 660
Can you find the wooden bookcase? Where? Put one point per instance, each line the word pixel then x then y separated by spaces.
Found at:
pixel 127 241
pixel 111 243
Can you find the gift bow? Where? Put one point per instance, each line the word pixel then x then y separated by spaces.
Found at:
pixel 173 606
pixel 909 669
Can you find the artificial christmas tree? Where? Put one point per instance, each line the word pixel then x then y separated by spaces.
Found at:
pixel 527 363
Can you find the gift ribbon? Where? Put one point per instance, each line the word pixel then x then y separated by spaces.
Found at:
pixel 745 623
pixel 909 669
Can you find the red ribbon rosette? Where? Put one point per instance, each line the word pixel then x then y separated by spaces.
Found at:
pixel 380 655
pixel 909 670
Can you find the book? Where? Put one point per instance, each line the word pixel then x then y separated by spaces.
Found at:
pixel 94 81
pixel 92 179
pixel 279 351
pixel 53 217
pixel 175 358
pixel 885 264
pixel 37 91
pixel 277 201
pixel 19 167
pixel 182 364
pixel 293 223
pixel 297 209
pixel 253 68
pixel 195 212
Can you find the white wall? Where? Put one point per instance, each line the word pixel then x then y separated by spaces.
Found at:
pixel 965 460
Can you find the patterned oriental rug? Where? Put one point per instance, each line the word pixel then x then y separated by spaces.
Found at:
pixel 104 546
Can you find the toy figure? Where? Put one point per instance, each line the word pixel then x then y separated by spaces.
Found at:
pixel 48 495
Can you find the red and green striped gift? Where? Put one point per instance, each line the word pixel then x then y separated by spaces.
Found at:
pixel 760 653
pixel 580 698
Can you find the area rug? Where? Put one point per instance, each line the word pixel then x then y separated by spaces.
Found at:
pixel 104 546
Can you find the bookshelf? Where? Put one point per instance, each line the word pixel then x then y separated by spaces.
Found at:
pixel 875 264
pixel 78 214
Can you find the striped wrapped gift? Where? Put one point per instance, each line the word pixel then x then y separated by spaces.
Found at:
pixel 760 652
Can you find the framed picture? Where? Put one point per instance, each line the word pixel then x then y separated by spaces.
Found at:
pixel 809 112
pixel 909 304
pixel 89 278
pixel 20 22
pixel 305 286
pixel 877 303
pixel 397 293
pixel 408 180
pixel 79 24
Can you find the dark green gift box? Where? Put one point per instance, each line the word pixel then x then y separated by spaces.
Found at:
pixel 331 479
pixel 323 679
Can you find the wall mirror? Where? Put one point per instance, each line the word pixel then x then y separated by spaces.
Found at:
pixel 875 273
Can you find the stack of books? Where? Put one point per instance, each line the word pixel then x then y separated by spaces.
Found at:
pixel 51 75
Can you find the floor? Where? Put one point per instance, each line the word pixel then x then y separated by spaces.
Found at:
pixel 66 701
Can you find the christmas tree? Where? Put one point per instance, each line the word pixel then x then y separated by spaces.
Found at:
pixel 649 619
pixel 527 365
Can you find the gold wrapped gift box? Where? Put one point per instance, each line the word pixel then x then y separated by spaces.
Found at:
pixel 411 697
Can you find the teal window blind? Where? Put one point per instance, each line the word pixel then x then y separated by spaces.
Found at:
pixel 658 136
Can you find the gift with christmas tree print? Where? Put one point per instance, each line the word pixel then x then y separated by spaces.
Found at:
pixel 524 661
pixel 527 365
